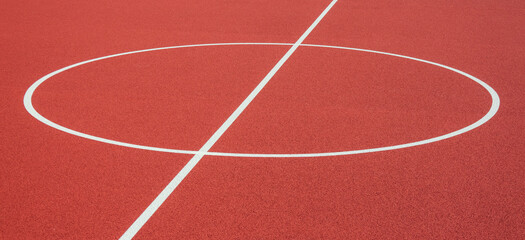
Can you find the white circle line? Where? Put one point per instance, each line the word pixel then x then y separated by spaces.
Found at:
pixel 492 111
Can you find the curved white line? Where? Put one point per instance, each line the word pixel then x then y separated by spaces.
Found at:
pixel 492 111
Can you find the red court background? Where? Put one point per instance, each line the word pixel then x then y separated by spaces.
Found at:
pixel 58 186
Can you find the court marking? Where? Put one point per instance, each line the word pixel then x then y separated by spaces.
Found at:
pixel 492 111
pixel 168 190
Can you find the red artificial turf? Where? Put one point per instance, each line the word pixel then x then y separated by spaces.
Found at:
pixel 57 186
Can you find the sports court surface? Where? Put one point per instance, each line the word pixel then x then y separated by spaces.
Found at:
pixel 316 119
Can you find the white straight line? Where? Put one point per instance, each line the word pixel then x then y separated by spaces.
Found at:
pixel 152 208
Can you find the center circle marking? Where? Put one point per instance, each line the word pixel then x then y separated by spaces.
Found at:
pixel 492 111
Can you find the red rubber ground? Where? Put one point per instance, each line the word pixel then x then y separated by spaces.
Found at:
pixel 58 186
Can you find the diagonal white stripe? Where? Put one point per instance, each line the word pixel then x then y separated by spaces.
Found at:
pixel 152 208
